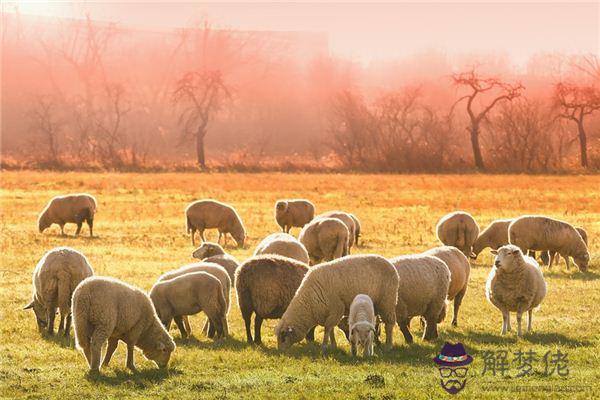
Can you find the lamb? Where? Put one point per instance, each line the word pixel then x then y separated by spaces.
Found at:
pixel 74 208
pixel 55 277
pixel 109 309
pixel 283 244
pixel 293 213
pixel 515 284
pixel 357 228
pixel 265 286
pixel 424 283
pixel 188 294
pixel 327 291
pixel 212 268
pixel 209 214
pixel 546 255
pixel 361 321
pixel 458 229
pixel 537 232
pixel 347 220
pixel 325 239
pixel 213 252
pixel 494 236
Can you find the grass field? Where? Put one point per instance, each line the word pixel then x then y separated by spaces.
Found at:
pixel 140 234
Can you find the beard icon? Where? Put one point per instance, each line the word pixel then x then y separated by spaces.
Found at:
pixel 452 363
pixel 453 386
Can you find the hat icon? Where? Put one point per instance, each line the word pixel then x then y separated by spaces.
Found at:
pixel 453 355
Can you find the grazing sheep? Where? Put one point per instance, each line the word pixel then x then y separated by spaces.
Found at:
pixel 283 244
pixel 74 208
pixel 213 252
pixel 357 228
pixel 515 284
pixel 537 232
pixel 55 277
pixel 460 269
pixel 325 239
pixel 293 213
pixel 458 229
pixel 108 309
pixel 545 256
pixel 424 282
pixel 327 291
pixel 188 294
pixel 494 236
pixel 265 286
pixel 212 268
pixel 346 219
pixel 361 321
pixel 209 214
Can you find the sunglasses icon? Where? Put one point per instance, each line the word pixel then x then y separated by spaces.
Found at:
pixel 448 372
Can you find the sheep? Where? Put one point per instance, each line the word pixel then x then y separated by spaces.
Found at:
pixel 361 321
pixel 424 282
pixel 458 229
pixel 55 277
pixel 283 244
pixel 327 291
pixel 494 236
pixel 213 252
pixel 212 268
pixel 75 208
pixel 346 219
pixel 357 228
pixel 109 309
pixel 538 232
pixel 325 239
pixel 545 255
pixel 265 286
pixel 515 284
pixel 209 214
pixel 188 294
pixel 293 213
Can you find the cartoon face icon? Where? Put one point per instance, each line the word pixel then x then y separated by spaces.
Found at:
pixel 452 364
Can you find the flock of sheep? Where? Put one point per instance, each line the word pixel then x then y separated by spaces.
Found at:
pixel 303 282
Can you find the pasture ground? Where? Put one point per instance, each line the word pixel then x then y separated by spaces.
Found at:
pixel 140 234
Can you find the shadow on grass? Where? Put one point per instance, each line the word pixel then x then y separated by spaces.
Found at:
pixel 511 338
pixel 567 275
pixel 59 339
pixel 67 236
pixel 206 343
pixel 140 378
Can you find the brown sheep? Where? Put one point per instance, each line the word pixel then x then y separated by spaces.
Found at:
pixel 74 208
pixel 209 214
pixel 293 213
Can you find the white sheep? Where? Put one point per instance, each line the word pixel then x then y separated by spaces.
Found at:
pixel 515 284
pixel 347 219
pixel 357 228
pixel 293 213
pixel 74 208
pixel 55 277
pixel 283 244
pixel 327 291
pixel 325 239
pixel 545 256
pixel 458 229
pixel 210 214
pixel 189 294
pixel 213 252
pixel 538 232
pixel 495 235
pixel 108 309
pixel 361 321
pixel 424 282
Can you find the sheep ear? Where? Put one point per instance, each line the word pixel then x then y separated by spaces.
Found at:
pixel 28 306
pixel 494 252
pixel 473 256
pixel 515 252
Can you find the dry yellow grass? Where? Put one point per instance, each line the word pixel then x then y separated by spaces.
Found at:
pixel 140 228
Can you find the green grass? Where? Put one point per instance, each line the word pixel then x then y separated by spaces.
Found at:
pixel 140 229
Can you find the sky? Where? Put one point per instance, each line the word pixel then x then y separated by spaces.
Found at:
pixel 366 32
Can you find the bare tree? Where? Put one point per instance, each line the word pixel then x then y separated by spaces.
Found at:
pixel 45 122
pixel 479 87
pixel 201 95
pixel 109 137
pixel 574 103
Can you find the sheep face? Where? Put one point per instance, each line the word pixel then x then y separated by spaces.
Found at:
pixel 582 261
pixel 160 353
pixel 281 207
pixel 239 235
pixel 286 337
pixel 362 333
pixel 40 313
pixel 43 222
pixel 507 258
pixel 207 249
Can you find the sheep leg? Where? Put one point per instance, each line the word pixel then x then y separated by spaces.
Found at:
pixel 51 314
pixel 326 337
pixel 430 328
pixel 457 302
pixel 211 329
pixel 247 315
pixel 505 322
pixel 219 239
pixel 201 232
pixel 389 333
pixel 96 341
pixel 188 326
pixel 257 324
pixel 193 232
pixel 90 222
pixel 61 324
pixel 353 348
pixel 550 262
pixel 68 325
pixel 110 350
pixel 519 321
pixel 529 320
pixel 403 324
pixel 332 342
pixel 130 363
pixel 181 326
pixel 310 336
pixel 62 229
pixel 567 261
pixel 79 225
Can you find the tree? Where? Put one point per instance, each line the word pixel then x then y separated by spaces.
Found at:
pixel 574 103
pixel 47 125
pixel 478 87
pixel 201 95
